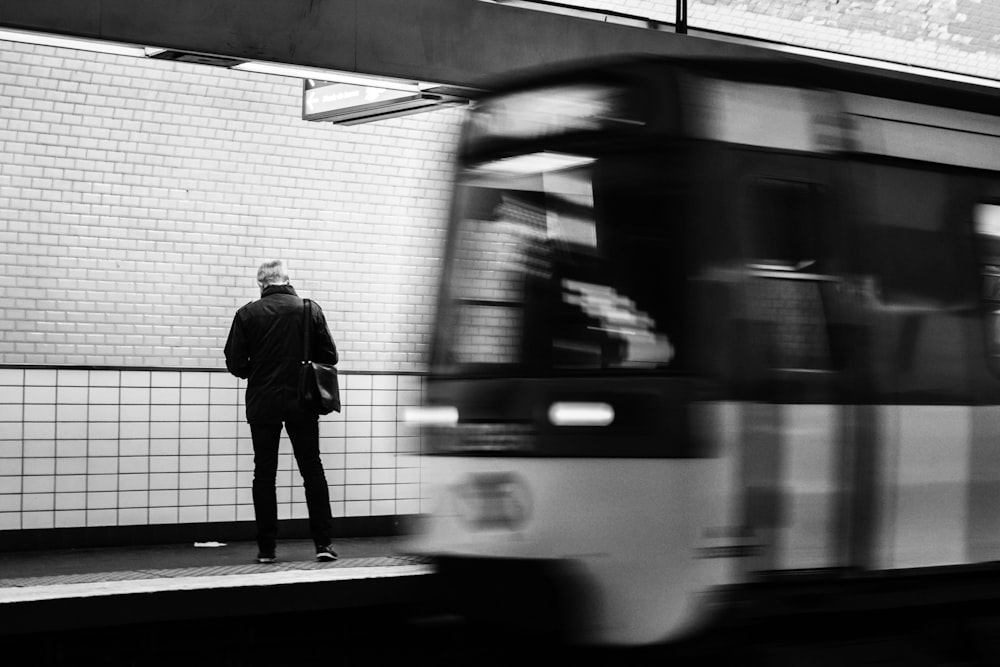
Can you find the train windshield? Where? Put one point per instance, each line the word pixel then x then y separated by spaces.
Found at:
pixel 560 263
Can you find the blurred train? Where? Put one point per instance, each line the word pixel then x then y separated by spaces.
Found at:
pixel 707 322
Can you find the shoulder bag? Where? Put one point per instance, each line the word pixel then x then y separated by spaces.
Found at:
pixel 319 388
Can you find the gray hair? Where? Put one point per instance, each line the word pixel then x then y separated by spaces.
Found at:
pixel 272 272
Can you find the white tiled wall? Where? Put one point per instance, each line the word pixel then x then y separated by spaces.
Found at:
pixel 138 197
pixel 90 448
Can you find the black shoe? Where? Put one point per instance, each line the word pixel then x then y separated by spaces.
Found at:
pixel 266 557
pixel 325 553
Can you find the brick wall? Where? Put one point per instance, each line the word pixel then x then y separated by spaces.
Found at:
pixel 137 198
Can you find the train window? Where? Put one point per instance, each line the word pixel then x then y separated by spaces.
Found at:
pixel 915 213
pixel 987 222
pixel 559 264
pixel 786 299
pixel 915 255
pixel 783 213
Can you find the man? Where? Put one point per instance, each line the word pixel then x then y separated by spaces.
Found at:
pixel 265 347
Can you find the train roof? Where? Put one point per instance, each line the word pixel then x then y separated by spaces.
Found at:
pixel 768 66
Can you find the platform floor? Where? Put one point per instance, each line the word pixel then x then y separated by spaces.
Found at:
pixel 30 578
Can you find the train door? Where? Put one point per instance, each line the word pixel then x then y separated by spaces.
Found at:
pixel 793 414
pixel 916 260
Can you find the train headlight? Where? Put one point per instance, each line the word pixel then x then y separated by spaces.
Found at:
pixel 431 415
pixel 581 414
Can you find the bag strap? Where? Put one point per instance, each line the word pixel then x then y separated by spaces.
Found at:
pixel 306 327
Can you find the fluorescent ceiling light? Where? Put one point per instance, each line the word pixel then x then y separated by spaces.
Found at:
pixel 83 44
pixel 535 163
pixel 301 72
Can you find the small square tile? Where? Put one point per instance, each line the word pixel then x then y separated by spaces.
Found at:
pixel 38 484
pixel 40 395
pixel 102 430
pixel 32 412
pixel 163 515
pixel 65 395
pixel 357 508
pixel 195 379
pixel 134 516
pixel 35 431
pixel 70 430
pixel 70 468
pixel 383 508
pixel 353 492
pixel 103 395
pixel 164 498
pixel 165 379
pixel 69 501
pixel 102 500
pixel 133 499
pixel 384 382
pixel 223 513
pixel 39 466
pixel 193 497
pixel 163 480
pixel 217 497
pixel 38 520
pixel 408 506
pixel 102 517
pixel 38 502
pixel 133 379
pixel 11 377
pixel 105 379
pixel 136 396
pixel 73 378
pixel 352 381
pixel 103 413
pixel 102 448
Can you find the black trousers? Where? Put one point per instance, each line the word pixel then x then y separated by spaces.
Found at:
pixel 305 445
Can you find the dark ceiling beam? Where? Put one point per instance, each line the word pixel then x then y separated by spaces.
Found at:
pixel 459 42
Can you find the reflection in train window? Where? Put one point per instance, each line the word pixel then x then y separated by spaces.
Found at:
pixel 914 245
pixel 785 298
pixel 560 264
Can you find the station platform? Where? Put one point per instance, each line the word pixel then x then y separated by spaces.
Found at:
pixel 43 591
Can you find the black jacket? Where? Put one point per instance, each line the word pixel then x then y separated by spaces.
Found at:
pixel 265 347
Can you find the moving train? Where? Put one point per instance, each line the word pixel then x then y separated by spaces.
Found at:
pixel 707 322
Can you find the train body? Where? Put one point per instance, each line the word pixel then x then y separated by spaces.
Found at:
pixel 704 323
